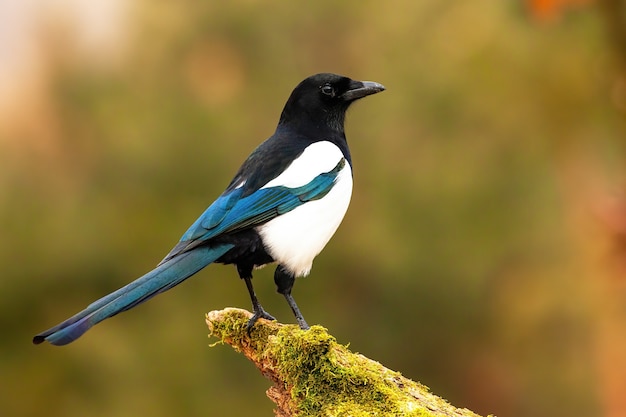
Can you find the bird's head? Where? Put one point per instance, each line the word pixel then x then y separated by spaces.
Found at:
pixel 321 100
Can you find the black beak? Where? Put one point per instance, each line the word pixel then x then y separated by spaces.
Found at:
pixel 360 89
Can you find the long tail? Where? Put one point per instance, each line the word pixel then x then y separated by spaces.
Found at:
pixel 160 279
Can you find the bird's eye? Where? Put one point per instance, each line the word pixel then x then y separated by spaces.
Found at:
pixel 328 90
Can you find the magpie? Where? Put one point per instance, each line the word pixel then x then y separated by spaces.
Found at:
pixel 282 206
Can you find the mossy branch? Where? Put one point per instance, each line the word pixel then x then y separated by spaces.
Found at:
pixel 313 375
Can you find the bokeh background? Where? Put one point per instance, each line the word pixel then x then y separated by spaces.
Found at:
pixel 484 253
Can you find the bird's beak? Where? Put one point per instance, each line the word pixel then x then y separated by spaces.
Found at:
pixel 360 89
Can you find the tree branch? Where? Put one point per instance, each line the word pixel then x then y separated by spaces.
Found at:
pixel 313 375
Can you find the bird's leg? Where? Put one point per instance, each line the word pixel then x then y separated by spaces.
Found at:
pixel 284 283
pixel 259 312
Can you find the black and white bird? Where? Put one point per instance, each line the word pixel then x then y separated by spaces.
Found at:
pixel 283 206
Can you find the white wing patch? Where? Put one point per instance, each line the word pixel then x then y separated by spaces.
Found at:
pixel 295 238
pixel 316 159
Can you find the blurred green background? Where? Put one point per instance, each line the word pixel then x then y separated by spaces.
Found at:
pixel 484 252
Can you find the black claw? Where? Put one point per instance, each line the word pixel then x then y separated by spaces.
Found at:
pixel 303 324
pixel 258 314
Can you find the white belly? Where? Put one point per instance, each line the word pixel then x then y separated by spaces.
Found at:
pixel 295 238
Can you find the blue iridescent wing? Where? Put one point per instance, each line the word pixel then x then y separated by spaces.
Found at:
pixel 231 212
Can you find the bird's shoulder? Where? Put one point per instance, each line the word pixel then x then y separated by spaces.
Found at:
pixel 272 158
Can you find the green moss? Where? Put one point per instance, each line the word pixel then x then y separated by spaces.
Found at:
pixel 329 380
pixel 323 377
pixel 231 327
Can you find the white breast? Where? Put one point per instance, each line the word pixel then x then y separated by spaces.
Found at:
pixel 295 238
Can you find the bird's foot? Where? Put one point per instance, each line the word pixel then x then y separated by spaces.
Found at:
pixel 296 312
pixel 259 313
pixel 302 323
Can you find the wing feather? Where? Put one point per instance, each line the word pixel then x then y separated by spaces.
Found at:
pixel 231 212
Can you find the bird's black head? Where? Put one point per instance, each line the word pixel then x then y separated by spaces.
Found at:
pixel 321 100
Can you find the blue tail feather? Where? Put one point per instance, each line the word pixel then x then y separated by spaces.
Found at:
pixel 162 278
